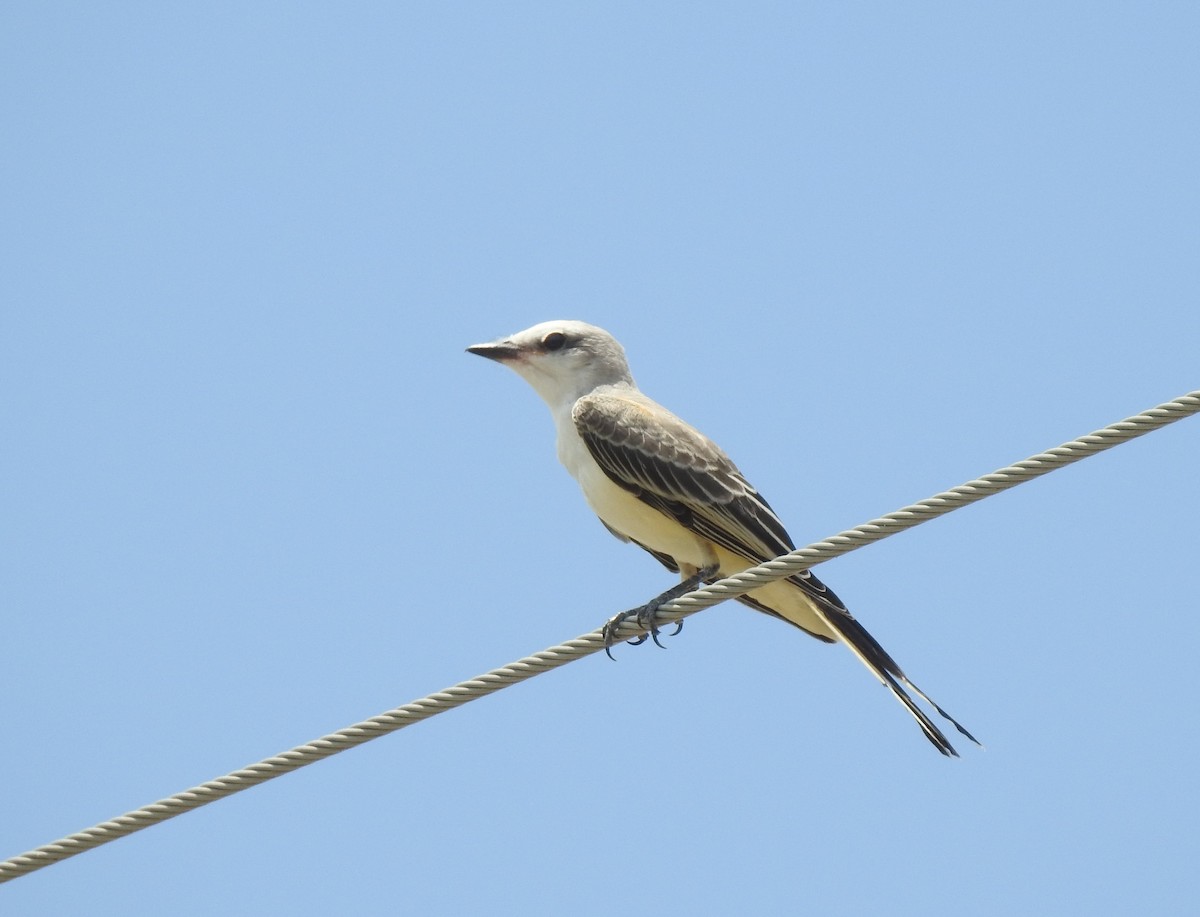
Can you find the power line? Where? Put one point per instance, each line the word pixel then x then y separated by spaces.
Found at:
pixel 552 658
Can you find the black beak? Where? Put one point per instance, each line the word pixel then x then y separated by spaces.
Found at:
pixel 498 350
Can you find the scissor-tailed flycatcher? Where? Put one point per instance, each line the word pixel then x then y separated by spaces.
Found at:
pixel 660 483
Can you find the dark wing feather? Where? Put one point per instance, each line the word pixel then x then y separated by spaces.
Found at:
pixel 678 471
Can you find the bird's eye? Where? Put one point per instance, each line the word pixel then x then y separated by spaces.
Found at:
pixel 554 340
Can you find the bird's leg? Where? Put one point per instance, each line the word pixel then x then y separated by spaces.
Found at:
pixel 646 615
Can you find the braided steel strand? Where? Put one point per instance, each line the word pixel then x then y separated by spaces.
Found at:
pixel 556 656
pixel 938 505
pixel 295 758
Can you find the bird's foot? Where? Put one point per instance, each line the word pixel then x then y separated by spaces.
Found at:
pixel 646 616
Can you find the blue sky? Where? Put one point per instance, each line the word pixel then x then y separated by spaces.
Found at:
pixel 255 490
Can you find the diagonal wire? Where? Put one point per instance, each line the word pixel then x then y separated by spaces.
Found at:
pixel 555 656
pixel 930 508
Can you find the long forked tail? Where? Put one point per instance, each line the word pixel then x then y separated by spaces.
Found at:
pixel 884 667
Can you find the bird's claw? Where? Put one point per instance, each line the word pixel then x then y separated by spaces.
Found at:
pixel 647 615
pixel 647 619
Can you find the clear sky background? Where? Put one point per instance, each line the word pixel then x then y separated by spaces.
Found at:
pixel 255 491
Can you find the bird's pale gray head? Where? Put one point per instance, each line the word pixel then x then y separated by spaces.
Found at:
pixel 562 360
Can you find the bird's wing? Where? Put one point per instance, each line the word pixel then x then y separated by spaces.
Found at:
pixel 677 470
pixel 650 452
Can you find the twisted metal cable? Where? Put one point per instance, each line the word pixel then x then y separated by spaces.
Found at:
pixel 930 508
pixel 555 656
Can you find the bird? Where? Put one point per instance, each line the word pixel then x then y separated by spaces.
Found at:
pixel 658 482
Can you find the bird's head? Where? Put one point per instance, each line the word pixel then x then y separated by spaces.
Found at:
pixel 562 360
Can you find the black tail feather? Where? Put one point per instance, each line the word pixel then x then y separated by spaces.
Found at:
pixel 887 670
